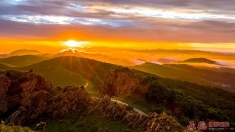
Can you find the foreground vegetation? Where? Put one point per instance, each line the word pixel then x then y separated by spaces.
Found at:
pixel 78 121
pixel 7 128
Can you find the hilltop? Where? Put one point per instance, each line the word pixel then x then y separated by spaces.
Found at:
pixel 68 65
pixel 201 60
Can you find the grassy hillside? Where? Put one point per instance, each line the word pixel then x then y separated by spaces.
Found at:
pixel 92 70
pixel 189 73
pixel 22 60
pixel 63 71
pixel 4 66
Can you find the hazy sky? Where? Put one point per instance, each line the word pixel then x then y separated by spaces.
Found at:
pixel 199 24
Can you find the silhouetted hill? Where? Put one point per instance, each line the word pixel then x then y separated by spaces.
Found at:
pixel 201 60
pixel 22 60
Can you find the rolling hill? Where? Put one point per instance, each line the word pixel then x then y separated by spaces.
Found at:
pixel 69 69
pixel 192 74
pixel 62 70
pixel 22 60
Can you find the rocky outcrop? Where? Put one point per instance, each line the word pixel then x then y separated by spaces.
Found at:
pixel 28 96
pixel 119 82
pixel 152 123
pixel 4 84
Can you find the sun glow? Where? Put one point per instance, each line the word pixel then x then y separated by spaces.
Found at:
pixel 72 43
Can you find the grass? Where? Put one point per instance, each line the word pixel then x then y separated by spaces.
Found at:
pixel 92 122
pixel 4 66
pixel 63 77
pixel 92 91
pixel 22 60
pixel 58 75
pixel 6 128
pixel 140 103
pixel 134 101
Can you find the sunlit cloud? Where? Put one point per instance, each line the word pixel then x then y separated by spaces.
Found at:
pixel 76 6
pixel 39 19
pixel 170 14
pixel 44 19
pixel 16 2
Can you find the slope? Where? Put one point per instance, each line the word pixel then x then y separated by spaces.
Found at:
pixel 66 70
pixel 22 60
pixel 4 66
pixel 189 73
pixel 187 101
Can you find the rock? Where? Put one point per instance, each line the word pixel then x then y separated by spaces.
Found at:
pixel 3 106
pixel 29 98
pixel 35 82
pixel 119 83
pixel 151 123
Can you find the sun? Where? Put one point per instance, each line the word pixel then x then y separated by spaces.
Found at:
pixel 72 43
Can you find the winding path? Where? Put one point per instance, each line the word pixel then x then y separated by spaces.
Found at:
pixel 135 109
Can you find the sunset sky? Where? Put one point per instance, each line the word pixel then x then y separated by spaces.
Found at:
pixel 143 24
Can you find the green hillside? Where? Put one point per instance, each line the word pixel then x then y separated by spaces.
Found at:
pixel 22 60
pixel 4 66
pixel 189 73
pixel 90 69
pixel 63 71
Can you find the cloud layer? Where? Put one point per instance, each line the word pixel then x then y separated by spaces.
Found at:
pixel 120 20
